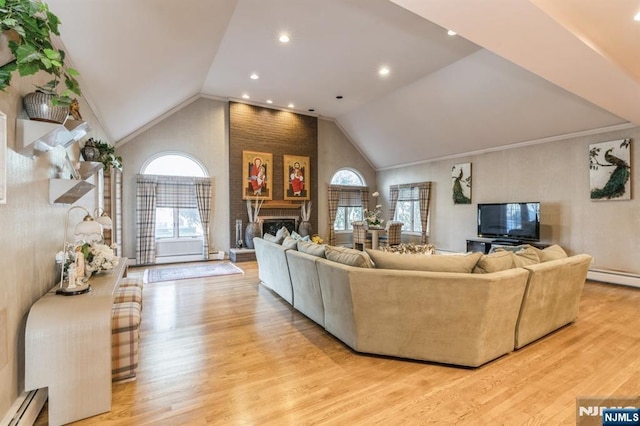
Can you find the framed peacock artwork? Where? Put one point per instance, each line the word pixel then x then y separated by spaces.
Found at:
pixel 610 170
pixel 461 176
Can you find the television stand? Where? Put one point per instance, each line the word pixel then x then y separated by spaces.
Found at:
pixel 485 245
pixel 510 241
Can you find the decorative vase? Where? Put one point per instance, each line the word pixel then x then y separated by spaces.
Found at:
pixel 305 228
pixel 253 230
pixel 38 107
pixel 90 152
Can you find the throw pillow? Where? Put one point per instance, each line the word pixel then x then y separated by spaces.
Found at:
pixel 494 262
pixel 272 238
pixel 497 247
pixel 348 256
pixel 419 262
pixel 524 257
pixel 290 243
pixel 552 252
pixel 282 234
pixel 311 248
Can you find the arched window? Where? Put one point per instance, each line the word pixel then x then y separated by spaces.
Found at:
pixel 174 164
pixel 347 177
pixel 346 215
pixel 175 222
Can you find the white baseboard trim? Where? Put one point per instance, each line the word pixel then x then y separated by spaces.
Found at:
pixel 26 408
pixel 614 277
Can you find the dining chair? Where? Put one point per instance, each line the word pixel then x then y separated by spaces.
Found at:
pixel 393 236
pixel 361 239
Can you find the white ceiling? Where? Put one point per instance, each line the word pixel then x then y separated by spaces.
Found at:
pixel 513 74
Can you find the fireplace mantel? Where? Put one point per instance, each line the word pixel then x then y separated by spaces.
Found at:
pixel 281 204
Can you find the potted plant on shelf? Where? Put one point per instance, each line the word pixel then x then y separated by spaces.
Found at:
pixel 29 26
pixel 95 150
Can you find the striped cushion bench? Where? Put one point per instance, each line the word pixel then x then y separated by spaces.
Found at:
pixel 125 333
pixel 129 294
pixel 131 282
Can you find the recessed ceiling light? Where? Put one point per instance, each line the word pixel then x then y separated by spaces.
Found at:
pixel 269 101
pixel 284 38
pixel 451 33
pixel 291 106
pixel 383 71
pixel 245 96
pixel 254 76
pixel 637 17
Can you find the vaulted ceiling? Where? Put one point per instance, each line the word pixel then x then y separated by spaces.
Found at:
pixel 518 71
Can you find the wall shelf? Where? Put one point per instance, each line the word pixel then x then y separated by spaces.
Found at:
pixel 36 137
pixel 68 191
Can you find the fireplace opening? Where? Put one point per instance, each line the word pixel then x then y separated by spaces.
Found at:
pixel 271 224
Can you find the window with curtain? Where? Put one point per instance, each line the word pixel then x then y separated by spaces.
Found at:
pixel 173 222
pixel 170 205
pixel 409 203
pixel 408 209
pixel 349 208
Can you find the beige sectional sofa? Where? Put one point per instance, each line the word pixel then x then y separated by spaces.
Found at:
pixel 464 318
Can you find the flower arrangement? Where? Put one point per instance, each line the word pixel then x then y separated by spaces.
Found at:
pixel 97 257
pixel 374 217
pixel 316 239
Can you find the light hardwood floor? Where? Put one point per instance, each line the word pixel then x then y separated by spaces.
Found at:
pixel 227 351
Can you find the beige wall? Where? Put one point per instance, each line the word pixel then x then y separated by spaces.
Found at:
pixel 555 173
pixel 32 233
pixel 200 130
pixel 335 151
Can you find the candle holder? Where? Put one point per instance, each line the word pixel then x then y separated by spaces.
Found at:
pixel 238 233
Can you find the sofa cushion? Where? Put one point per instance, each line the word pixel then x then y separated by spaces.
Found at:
pixel 271 238
pixel 290 243
pixel 348 256
pixel 525 257
pixel 553 252
pixel 419 262
pixel 311 248
pixel 494 262
pixel 279 237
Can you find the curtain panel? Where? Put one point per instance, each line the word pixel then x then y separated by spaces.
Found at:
pixel 146 220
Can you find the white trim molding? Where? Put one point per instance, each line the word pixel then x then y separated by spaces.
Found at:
pixel 614 277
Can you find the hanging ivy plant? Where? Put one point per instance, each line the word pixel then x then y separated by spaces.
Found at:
pixel 31 25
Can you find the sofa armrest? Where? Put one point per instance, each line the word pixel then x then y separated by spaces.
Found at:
pixel 552 297
pixel 273 269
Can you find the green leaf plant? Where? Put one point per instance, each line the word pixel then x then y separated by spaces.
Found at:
pixel 31 26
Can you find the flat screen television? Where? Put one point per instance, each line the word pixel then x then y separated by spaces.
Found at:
pixel 509 221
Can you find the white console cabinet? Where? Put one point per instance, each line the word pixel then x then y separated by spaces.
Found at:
pixel 68 348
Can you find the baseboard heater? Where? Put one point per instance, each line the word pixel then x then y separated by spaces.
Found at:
pixel 26 409
pixel 181 250
pixel 614 277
